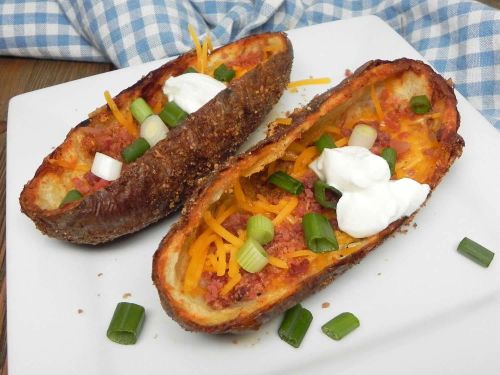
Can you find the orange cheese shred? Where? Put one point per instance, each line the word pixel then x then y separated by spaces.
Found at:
pixel 263 204
pixel 131 128
pixel 197 46
pixel 199 249
pixel 300 253
pixel 287 210
pixel 310 81
pixel 376 103
pixel 296 148
pixel 303 160
pixel 220 230
pixel 204 56
pixel 341 142
pixel 277 262
pixel 283 121
pixel 241 199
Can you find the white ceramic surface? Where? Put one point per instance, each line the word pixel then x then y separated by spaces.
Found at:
pixel 424 309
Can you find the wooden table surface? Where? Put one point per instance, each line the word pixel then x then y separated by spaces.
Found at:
pixel 17 76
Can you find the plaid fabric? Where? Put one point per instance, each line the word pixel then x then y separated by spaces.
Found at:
pixel 461 38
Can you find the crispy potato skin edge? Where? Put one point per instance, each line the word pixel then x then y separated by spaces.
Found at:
pixel 159 182
pixel 200 200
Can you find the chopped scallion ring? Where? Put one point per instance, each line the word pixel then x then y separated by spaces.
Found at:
pixel 172 114
pixel 71 196
pixel 106 167
pixel 390 156
pixel 140 110
pixel 260 228
pixel 154 130
pixel 325 141
pixel 126 323
pixel 320 189
pixel 224 73
pixel 295 324
pixel 340 326
pixel 251 256
pixel 475 252
pixel 318 233
pixel 420 104
pixel 135 150
pixel 286 182
pixel 363 135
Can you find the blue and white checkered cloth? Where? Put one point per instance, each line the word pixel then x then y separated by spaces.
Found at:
pixel 461 38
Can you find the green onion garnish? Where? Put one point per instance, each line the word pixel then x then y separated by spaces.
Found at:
pixel 224 73
pixel 172 114
pixel 71 196
pixel 190 70
pixel 340 326
pixel 126 323
pixel 390 156
pixel 295 324
pixel 260 228
pixel 320 188
pixel 420 104
pixel 476 252
pixel 251 256
pixel 134 150
pixel 325 141
pixel 286 182
pixel 318 233
pixel 140 110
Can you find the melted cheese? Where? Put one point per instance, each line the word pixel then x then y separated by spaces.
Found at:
pixel 131 128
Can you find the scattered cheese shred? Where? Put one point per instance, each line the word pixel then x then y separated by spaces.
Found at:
pixel 296 148
pixel 341 142
pixel 197 262
pixel 277 262
pixel 204 56
pixel 303 160
pixel 220 230
pixel 283 121
pixel 263 204
pixel 131 128
pixel 376 103
pixel 300 253
pixel 231 284
pixel 287 210
pixel 333 129
pixel 197 45
pixel 310 81
pixel 241 200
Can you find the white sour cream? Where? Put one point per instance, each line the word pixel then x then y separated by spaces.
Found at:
pixel 370 200
pixel 192 90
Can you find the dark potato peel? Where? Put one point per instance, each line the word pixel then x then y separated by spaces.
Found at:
pixel 433 149
pixel 157 183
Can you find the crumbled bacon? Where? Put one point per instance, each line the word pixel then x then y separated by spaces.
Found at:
pixel 236 222
pixel 298 267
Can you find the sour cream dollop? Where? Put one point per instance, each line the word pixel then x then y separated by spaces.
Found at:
pixel 191 91
pixel 370 200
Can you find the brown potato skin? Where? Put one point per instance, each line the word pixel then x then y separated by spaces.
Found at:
pixel 203 197
pixel 156 184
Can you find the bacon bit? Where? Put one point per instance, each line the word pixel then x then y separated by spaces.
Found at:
pixel 298 267
pixel 325 305
pixel 126 295
pixel 81 185
pixel 401 147
pixel 79 311
pixel 348 72
pixel 236 222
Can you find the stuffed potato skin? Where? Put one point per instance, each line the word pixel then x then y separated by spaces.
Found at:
pixel 170 260
pixel 157 183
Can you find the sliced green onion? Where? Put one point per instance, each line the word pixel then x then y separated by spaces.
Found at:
pixel 286 182
pixel 134 150
pixel 260 228
pixel 320 188
pixel 420 104
pixel 71 196
pixel 340 326
pixel 476 252
pixel 390 156
pixel 172 114
pixel 295 324
pixel 126 323
pixel 140 110
pixel 154 130
pixel 325 141
pixel 318 233
pixel 190 70
pixel 106 167
pixel 224 73
pixel 251 256
pixel 363 135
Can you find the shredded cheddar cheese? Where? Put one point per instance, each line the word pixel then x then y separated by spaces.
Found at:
pixel 300 253
pixel 310 81
pixel 287 210
pixel 277 262
pixel 376 103
pixel 241 200
pixel 131 128
pixel 220 230
pixel 195 267
pixel 197 46
pixel 303 160
pixel 204 56
pixel 283 121
pixel 341 142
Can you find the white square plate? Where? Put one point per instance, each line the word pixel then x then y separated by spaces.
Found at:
pixel 424 308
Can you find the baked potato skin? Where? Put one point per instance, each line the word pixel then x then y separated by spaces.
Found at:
pixel 156 184
pixel 186 311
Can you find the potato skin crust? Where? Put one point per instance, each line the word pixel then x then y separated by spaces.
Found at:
pixel 159 182
pixel 186 310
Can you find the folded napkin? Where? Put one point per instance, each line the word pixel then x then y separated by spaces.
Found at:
pixel 461 38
